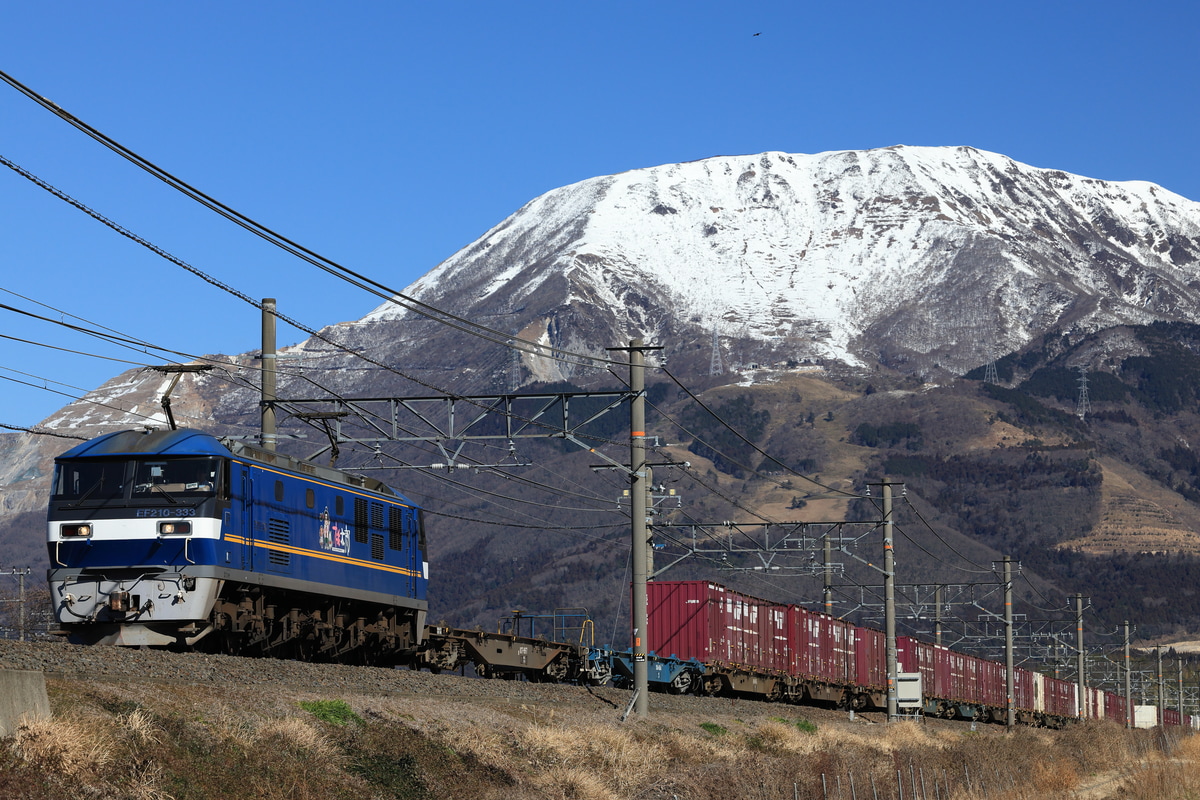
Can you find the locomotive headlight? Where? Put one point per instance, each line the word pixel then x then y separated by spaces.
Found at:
pixel 75 530
pixel 174 527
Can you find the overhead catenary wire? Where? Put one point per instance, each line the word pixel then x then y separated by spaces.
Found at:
pixel 754 446
pixel 226 211
pixel 42 432
pixel 389 294
pixel 386 293
pixel 127 341
pixel 237 293
pixel 978 567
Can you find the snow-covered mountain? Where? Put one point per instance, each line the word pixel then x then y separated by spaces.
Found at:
pixel 905 255
pixel 924 260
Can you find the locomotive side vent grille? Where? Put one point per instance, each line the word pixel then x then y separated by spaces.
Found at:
pixel 376 515
pixel 360 520
pixel 377 546
pixel 279 531
pixel 396 528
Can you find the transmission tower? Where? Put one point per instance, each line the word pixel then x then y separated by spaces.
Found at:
pixel 514 370
pixel 1084 406
pixel 714 366
pixel 989 373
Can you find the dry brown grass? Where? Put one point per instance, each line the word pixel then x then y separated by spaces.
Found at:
pixel 298 736
pixel 613 757
pixel 411 747
pixel 1051 778
pixel 68 746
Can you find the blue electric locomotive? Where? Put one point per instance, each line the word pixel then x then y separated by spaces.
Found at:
pixel 175 538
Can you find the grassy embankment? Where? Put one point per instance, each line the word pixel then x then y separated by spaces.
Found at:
pixel 108 740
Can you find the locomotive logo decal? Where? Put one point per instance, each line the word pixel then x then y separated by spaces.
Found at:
pixel 333 537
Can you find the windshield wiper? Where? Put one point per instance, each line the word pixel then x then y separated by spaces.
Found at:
pixel 86 494
pixel 163 492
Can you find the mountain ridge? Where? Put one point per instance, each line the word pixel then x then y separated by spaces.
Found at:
pixel 881 275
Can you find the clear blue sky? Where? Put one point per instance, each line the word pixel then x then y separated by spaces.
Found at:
pixel 388 135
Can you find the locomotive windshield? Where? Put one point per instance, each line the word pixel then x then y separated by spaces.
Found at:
pixel 187 477
pixel 89 481
pixel 120 481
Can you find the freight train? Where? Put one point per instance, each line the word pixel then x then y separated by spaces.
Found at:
pixel 177 539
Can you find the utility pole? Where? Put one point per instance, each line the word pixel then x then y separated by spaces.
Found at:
pixel 637 494
pixel 1179 663
pixel 1009 672
pixel 1128 682
pixel 937 616
pixel 827 571
pixel 1158 656
pixel 889 600
pixel 21 601
pixel 639 487
pixel 1080 656
pixel 268 373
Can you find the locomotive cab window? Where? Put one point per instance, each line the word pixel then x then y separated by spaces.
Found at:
pixel 178 477
pixel 79 482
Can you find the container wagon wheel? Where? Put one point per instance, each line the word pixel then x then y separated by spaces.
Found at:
pixel 555 671
pixel 681 683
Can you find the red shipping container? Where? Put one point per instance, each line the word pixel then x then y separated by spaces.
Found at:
pixel 706 621
pixel 832 641
pixel 913 655
pixel 870 659
pixel 992 684
pixel 950 675
pixel 683 620
pixel 1024 689
pixel 777 649
pixel 1171 716
pixel 1061 697
pixel 1115 707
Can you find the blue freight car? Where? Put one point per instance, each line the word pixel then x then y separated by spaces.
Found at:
pixel 176 538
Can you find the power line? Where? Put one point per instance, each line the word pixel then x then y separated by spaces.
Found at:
pixel 39 432
pixel 386 293
pixel 756 448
